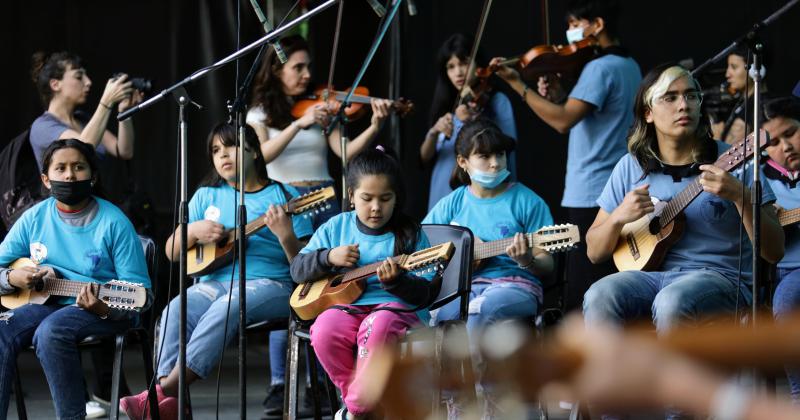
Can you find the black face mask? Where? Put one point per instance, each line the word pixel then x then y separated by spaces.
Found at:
pixel 71 193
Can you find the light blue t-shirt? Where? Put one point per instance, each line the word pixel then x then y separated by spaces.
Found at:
pixel 265 256
pixel 598 141
pixel 788 197
pixel 711 238
pixel 105 249
pixel 342 229
pixel 517 209
pixel 46 129
pixel 499 110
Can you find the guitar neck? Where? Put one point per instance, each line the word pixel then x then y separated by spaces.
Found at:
pixel 63 287
pixel 258 223
pixel 498 247
pixel 788 217
pixel 682 200
pixel 367 270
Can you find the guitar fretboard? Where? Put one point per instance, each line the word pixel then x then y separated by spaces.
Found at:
pixel 368 270
pixel 64 287
pixel 498 247
pixel 788 217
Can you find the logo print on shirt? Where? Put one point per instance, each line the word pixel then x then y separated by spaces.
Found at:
pixel 94 256
pixel 714 210
pixel 212 213
pixel 503 228
pixel 38 252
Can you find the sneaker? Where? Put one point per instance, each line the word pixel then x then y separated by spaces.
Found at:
pixel 273 403
pixel 94 410
pixel 135 405
pixel 341 414
pixel 168 409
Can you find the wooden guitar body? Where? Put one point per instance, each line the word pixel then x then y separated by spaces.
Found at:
pixel 310 299
pixel 640 249
pixel 207 258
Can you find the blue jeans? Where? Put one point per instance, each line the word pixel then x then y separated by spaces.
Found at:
pixel 207 303
pixel 670 298
pixel 785 301
pixel 54 331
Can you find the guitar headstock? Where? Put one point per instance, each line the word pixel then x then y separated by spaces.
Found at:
pixel 123 295
pixel 428 256
pixel 403 107
pixel 557 238
pixel 741 151
pixel 310 201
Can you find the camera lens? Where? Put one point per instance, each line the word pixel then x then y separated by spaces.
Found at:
pixel 142 84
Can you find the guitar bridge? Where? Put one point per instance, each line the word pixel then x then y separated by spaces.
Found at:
pixel 632 246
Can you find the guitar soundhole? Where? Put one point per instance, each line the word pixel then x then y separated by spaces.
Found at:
pixel 336 281
pixel 39 286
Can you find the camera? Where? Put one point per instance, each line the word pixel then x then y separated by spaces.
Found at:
pixel 139 83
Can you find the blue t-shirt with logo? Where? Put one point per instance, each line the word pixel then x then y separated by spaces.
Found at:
pixel 788 196
pixel 711 239
pixel 342 229
pixel 500 111
pixel 517 209
pixel 265 256
pixel 107 248
pixel 598 141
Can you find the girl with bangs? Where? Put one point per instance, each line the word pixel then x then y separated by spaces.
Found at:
pixel 493 207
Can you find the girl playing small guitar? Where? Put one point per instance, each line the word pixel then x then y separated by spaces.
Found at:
pixel 486 201
pixel 77 236
pixel 376 230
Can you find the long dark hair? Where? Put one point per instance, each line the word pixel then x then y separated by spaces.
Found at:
pixel 478 136
pixel 642 140
pixel 444 94
pixel 227 136
pixel 84 149
pixel 268 89
pixel 45 67
pixel 383 162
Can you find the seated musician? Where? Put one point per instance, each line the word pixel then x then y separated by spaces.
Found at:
pixel 782 172
pixel 670 147
pixel 74 235
pixel 346 336
pixel 213 303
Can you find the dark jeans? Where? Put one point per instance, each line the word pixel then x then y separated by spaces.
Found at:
pixel 785 301
pixel 580 272
pixel 54 331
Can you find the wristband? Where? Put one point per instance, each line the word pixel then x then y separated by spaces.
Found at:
pixel 528 265
pixel 106 106
pixel 106 315
pixel 524 92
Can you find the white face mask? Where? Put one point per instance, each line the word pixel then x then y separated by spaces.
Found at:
pixel 574 35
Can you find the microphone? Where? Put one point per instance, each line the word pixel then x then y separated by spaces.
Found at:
pixel 412 7
pixel 268 28
pixel 376 6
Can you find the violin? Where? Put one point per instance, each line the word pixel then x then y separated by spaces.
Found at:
pixel 567 60
pixel 356 108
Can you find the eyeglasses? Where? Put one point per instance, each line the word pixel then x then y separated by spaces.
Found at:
pixel 671 99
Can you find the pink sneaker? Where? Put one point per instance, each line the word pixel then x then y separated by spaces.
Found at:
pixel 168 408
pixel 135 406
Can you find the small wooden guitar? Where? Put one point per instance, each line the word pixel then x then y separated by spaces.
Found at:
pixel 310 299
pixel 549 238
pixel 643 243
pixel 115 293
pixel 788 216
pixel 205 258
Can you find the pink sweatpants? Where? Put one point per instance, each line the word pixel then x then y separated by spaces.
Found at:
pixel 344 344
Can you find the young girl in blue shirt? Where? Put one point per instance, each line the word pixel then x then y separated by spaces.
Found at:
pixel 345 337
pixel 74 235
pixel 213 300
pixel 493 207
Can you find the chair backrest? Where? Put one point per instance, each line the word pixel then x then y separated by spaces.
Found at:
pixel 151 257
pixel 458 274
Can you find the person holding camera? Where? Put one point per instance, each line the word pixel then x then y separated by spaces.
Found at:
pixel 63 85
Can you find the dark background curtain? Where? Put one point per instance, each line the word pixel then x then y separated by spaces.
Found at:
pixel 167 40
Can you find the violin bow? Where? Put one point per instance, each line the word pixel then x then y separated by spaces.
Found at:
pixel 487 5
pixel 546 21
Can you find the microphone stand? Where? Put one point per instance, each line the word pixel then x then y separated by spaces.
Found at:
pixel 179 91
pixel 340 117
pixel 753 41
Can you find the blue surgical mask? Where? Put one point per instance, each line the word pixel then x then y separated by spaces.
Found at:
pixel 488 180
pixel 574 35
